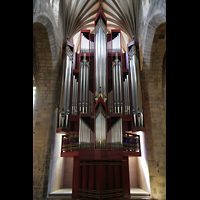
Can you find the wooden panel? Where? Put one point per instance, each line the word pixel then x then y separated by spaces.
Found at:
pixel 125 175
pixel 84 177
pixel 117 176
pixel 100 154
pixel 69 154
pixel 104 177
pixel 86 154
pixel 76 178
pixel 110 177
pixel 116 154
pixel 91 177
pixel 97 177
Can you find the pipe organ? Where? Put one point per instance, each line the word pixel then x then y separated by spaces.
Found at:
pixel 65 88
pixel 101 106
pixel 137 109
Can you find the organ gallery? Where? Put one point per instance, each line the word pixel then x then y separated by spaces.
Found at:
pixel 100 111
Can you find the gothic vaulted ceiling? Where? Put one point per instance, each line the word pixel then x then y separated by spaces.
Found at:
pixel 80 14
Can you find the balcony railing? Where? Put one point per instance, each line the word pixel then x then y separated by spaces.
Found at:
pixel 131 142
pixel 70 142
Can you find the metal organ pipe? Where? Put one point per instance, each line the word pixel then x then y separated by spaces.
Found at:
pixel 83 101
pixel 68 91
pixel 74 96
pixel 83 75
pixel 76 99
pixel 73 90
pixel 62 92
pixel 86 86
pixel 140 108
pixel 117 80
pixel 65 88
pixel 117 84
pixel 125 101
pixel 128 95
pixel 80 94
pixel 135 88
pixel 120 86
pixel 114 86
pixel 100 60
pixel 132 92
pixel 96 70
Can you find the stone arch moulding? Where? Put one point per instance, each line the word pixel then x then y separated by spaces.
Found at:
pixel 152 25
pixel 53 39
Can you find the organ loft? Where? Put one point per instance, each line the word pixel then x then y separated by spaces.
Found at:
pixel 99 99
pixel 101 111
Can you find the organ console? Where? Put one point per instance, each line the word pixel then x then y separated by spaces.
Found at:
pixel 100 108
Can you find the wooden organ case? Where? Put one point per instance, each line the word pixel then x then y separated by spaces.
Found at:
pixel 99 112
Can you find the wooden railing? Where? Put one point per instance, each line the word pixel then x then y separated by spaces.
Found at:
pixel 70 142
pixel 131 142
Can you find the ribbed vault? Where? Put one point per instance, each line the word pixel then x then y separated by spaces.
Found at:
pixel 80 14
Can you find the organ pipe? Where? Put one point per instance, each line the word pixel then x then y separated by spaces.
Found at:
pixel 81 82
pixel 83 102
pixel 84 44
pixel 117 82
pixel 120 86
pixel 65 88
pixel 86 86
pixel 83 75
pixel 114 86
pixel 137 109
pixel 100 60
pixel 116 134
pixel 126 95
pixel 73 91
pixel 74 96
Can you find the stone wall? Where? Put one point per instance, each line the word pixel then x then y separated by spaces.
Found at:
pixel 47 53
pixel 46 82
pixel 154 113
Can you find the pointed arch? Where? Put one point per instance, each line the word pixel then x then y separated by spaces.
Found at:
pixel 52 35
pixel 153 23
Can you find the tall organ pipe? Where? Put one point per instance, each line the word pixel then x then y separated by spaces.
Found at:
pixel 125 100
pixel 86 86
pixel 100 61
pixel 133 92
pixel 139 109
pixel 80 95
pixel 120 86
pixel 136 88
pixel 114 86
pixel 62 92
pixel 73 91
pixel 65 88
pixel 96 69
pixel 128 95
pixel 68 91
pixel 83 99
pixel 117 84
